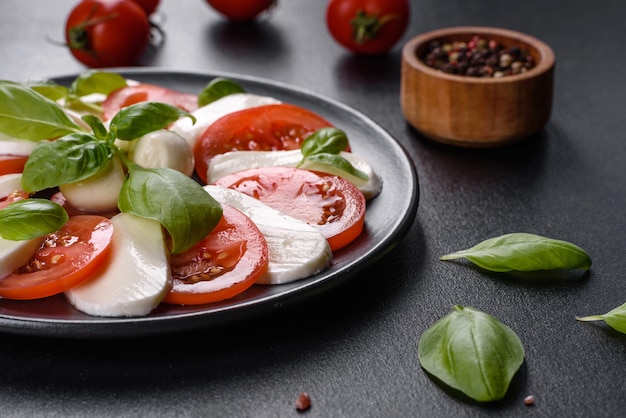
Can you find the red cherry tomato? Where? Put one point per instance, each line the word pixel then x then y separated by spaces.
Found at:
pixel 12 163
pixel 149 6
pixel 66 258
pixel 241 10
pixel 367 26
pixel 227 262
pixel 130 95
pixel 107 33
pixel 329 203
pixel 263 128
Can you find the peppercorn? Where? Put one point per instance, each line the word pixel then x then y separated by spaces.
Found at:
pixel 478 57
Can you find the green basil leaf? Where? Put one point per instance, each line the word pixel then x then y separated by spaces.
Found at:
pixel 216 89
pixel 66 160
pixel 173 199
pixel 324 141
pixel 524 252
pixel 139 119
pixel 334 164
pixel 615 318
pixel 30 218
pixel 96 125
pixel 473 352
pixel 99 82
pixel 26 114
pixel 49 89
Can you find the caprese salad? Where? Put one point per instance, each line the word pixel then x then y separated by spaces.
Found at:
pixel 123 195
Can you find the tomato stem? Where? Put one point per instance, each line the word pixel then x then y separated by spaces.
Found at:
pixel 78 37
pixel 366 27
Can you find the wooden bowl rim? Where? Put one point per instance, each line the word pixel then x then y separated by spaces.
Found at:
pixel 545 63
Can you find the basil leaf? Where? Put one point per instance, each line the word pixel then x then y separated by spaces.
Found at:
pixel 324 141
pixel 49 89
pixel 99 82
pixel 96 125
pixel 26 114
pixel 615 318
pixel 67 160
pixel 524 252
pixel 216 89
pixel 176 201
pixel 334 164
pixel 139 119
pixel 472 352
pixel 30 218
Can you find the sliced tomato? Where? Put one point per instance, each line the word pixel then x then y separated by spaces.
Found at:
pixel 12 164
pixel 129 95
pixel 64 259
pixel 228 261
pixel 329 203
pixel 12 197
pixel 264 128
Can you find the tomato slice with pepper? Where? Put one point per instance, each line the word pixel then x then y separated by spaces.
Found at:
pixel 144 92
pixel 226 262
pixel 10 164
pixel 64 259
pixel 327 202
pixel 272 127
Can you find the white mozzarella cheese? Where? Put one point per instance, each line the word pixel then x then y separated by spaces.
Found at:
pixel 231 162
pixel 14 146
pixel 99 193
pixel 15 254
pixel 136 276
pixel 206 115
pixel 10 183
pixel 163 149
pixel 296 249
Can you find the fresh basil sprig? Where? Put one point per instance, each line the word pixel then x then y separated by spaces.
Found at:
pixel 217 88
pixel 524 252
pixel 323 147
pixel 473 352
pixel 615 318
pixel 26 114
pixel 176 201
pixel 30 218
pixel 135 121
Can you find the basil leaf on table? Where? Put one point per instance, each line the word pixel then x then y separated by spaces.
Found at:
pixel 30 218
pixel 68 159
pixel 524 252
pixel 176 201
pixel 615 318
pixel 26 114
pixel 473 352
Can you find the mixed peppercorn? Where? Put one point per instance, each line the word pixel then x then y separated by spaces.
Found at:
pixel 480 57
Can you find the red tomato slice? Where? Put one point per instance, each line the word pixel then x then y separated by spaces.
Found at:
pixel 12 197
pixel 263 128
pixel 130 95
pixel 329 203
pixel 64 259
pixel 12 164
pixel 227 262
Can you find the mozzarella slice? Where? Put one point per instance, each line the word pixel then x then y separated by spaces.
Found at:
pixel 15 254
pixel 14 146
pixel 231 162
pixel 206 115
pixel 10 183
pixel 163 149
pixel 136 276
pixel 296 249
pixel 99 193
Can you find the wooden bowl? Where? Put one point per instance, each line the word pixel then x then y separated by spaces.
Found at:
pixel 476 111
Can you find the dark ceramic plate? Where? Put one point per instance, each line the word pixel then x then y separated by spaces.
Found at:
pixel 388 219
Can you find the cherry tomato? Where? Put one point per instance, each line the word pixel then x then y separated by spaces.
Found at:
pixel 107 33
pixel 64 259
pixel 367 26
pixel 149 6
pixel 263 128
pixel 130 95
pixel 227 262
pixel 12 163
pixel 329 203
pixel 241 10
